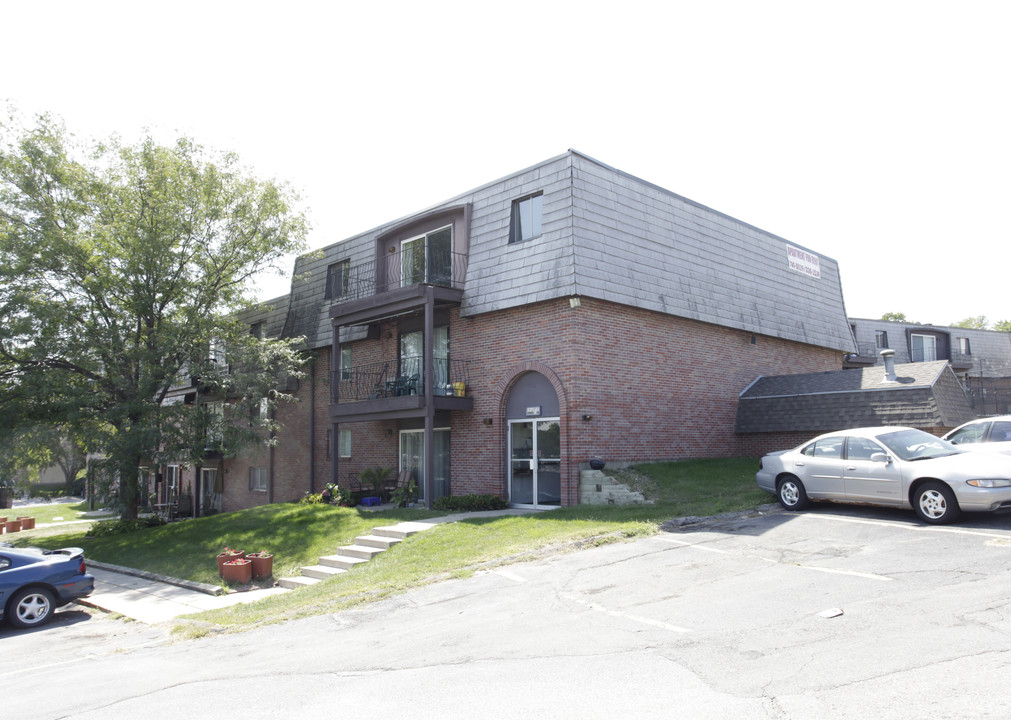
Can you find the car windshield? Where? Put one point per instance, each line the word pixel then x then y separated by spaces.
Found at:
pixel 913 445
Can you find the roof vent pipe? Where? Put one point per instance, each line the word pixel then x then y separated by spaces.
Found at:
pixel 889 357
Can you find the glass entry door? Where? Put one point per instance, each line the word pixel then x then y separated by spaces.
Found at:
pixel 412 457
pixel 535 463
pixel 211 500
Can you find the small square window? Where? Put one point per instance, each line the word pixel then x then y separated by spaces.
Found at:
pixel 526 218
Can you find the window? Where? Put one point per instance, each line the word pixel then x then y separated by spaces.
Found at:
pixel 427 258
pixel 258 479
pixel 256 330
pixel 215 422
pixel 526 218
pixel 337 279
pixel 345 362
pixel 969 435
pixel 826 448
pixel 412 355
pixel 217 353
pixel 858 448
pixel 1001 431
pixel 924 348
pixel 880 339
pixel 344 443
pixel 963 346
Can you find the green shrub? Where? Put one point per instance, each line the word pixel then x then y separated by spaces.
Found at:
pixel 122 526
pixel 470 503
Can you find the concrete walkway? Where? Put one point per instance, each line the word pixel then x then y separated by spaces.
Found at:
pixel 153 599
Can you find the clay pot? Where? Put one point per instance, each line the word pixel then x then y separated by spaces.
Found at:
pixel 27 523
pixel 225 557
pixel 12 526
pixel 237 571
pixel 263 567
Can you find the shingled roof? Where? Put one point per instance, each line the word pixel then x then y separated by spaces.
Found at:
pixel 923 395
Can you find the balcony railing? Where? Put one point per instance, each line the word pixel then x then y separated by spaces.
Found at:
pixel 384 380
pixel 399 269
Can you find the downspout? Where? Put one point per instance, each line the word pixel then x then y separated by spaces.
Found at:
pixel 312 425
pixel 429 370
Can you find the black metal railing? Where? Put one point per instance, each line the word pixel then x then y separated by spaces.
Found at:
pixel 392 379
pixel 399 269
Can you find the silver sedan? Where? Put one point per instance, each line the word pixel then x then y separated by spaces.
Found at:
pixel 890 466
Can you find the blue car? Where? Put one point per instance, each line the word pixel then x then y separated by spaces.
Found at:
pixel 34 582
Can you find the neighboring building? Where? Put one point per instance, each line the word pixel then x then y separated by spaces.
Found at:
pixel 496 342
pixel 780 412
pixel 980 358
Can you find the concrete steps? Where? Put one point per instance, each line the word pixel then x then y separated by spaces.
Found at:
pixel 596 488
pixel 364 548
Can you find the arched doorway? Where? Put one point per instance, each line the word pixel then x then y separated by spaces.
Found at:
pixel 534 446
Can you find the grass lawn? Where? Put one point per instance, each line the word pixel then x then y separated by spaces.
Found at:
pixel 50 512
pixel 298 534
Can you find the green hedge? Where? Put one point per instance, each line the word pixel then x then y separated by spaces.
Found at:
pixel 119 527
pixel 470 503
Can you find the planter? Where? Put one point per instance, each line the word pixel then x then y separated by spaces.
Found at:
pixel 226 556
pixel 27 523
pixel 237 571
pixel 597 464
pixel 458 389
pixel 12 526
pixel 263 565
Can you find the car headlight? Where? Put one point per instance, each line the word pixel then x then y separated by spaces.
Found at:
pixel 990 482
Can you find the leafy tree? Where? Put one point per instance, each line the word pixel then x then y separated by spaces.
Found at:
pixel 978 322
pixel 1003 325
pixel 894 317
pixel 121 269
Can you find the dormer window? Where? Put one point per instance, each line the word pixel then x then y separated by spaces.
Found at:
pixel 526 218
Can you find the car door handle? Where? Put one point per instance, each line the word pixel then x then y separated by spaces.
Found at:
pixel 798 464
pixel 851 467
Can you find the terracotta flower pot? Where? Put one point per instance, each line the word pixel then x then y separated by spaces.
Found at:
pixel 237 571
pixel 263 565
pixel 225 557
pixel 27 523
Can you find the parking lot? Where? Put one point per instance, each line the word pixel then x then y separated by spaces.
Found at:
pixel 841 612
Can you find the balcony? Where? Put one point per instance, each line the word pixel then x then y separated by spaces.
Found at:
pixel 406 268
pixel 380 391
pixel 867 354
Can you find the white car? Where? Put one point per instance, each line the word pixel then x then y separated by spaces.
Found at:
pixel 890 466
pixel 992 434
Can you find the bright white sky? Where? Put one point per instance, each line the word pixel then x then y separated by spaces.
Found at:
pixel 875 133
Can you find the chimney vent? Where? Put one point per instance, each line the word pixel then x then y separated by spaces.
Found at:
pixel 889 357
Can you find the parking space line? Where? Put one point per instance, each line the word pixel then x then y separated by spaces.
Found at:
pixel 914 528
pixel 694 545
pixel 854 573
pixel 626 616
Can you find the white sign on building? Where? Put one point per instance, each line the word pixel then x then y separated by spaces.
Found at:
pixel 803 262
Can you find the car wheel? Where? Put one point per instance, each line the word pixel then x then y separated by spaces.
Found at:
pixel 935 503
pixel 792 494
pixel 30 607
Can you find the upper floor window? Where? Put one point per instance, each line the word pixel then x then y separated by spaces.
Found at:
pixel 963 346
pixel 345 362
pixel 427 258
pixel 256 330
pixel 924 348
pixel 337 279
pixel 526 218
pixel 880 339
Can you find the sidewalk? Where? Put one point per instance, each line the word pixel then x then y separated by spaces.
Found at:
pixel 153 599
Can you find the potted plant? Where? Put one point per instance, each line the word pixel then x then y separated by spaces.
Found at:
pixel 374 478
pixel 405 494
pixel 239 571
pixel 227 555
pixel 27 523
pixel 263 564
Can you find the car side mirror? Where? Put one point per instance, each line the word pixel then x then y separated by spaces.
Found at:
pixel 880 457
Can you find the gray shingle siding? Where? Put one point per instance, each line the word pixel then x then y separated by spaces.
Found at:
pixel 608 235
pixel 925 395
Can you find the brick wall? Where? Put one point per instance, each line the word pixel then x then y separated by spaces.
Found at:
pixel 654 387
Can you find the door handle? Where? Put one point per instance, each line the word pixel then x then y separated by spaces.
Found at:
pixel 851 467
